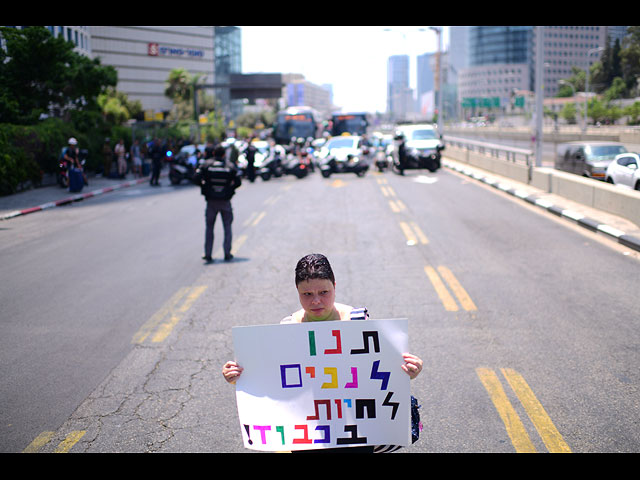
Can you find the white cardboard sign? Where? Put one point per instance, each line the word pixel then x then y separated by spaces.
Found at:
pixel 323 385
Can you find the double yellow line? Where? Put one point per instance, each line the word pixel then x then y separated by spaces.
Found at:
pixel 160 325
pixel 514 426
pixel 445 297
pixel 45 437
pixel 413 233
pixel 395 203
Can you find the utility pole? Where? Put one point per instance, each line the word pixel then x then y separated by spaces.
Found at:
pixel 539 93
pixel 438 77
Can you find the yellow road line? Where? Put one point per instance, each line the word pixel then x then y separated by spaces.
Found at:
pixel 446 298
pixel 515 429
pixel 461 293
pixel 157 317
pixel 257 220
pixel 406 229
pixel 396 205
pixel 165 328
pixel 545 427
pixel 69 441
pixel 38 442
pixel 163 321
pixel 423 238
pixel 249 220
pixel 238 243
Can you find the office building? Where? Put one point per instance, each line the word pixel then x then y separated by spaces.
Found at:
pixel 144 56
pixel 400 102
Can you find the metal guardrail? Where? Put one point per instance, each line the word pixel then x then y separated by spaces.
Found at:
pixel 513 154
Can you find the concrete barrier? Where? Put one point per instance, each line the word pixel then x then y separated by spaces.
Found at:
pixel 592 193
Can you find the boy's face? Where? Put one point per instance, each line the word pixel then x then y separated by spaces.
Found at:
pixel 317 297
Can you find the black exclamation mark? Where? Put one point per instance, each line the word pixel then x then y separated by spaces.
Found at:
pixel 246 427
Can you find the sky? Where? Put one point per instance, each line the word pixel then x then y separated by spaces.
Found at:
pixel 351 58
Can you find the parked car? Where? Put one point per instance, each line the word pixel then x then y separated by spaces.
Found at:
pixel 589 159
pixel 625 170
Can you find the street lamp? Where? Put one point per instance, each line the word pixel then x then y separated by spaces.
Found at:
pixel 586 88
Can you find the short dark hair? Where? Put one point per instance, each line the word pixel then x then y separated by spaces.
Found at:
pixel 314 266
pixel 219 152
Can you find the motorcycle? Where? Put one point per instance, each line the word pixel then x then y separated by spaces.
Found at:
pixel 297 165
pixel 351 164
pixel 62 175
pixel 182 168
pixel 272 166
pixel 382 159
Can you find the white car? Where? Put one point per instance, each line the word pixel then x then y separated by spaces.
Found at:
pixel 625 170
pixel 342 147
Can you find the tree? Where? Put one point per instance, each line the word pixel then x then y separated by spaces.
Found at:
pixel 179 85
pixel 569 112
pixel 39 72
pixel 630 57
pixel 117 108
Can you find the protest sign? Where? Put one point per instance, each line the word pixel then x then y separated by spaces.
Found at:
pixel 323 384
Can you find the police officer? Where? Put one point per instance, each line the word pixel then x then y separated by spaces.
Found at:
pixel 402 152
pixel 218 183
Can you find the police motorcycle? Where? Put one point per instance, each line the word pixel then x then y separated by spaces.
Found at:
pixel 297 161
pixel 272 165
pixel 184 164
pixel 344 154
pixel 297 164
pixel 383 151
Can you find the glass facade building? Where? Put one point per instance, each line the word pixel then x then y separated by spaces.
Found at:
pixel 494 44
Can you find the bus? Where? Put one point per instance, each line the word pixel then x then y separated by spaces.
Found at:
pixel 351 123
pixel 296 122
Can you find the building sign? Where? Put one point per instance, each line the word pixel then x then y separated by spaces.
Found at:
pixel 155 50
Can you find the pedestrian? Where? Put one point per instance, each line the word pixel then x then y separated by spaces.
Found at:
pixel 136 156
pixel 218 183
pixel 402 153
pixel 316 285
pixel 107 155
pixel 120 152
pixel 156 153
pixel 250 156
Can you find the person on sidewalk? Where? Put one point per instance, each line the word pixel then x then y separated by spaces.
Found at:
pixel 122 161
pixel 218 183
pixel 157 154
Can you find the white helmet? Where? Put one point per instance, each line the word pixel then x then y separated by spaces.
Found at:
pixel 73 141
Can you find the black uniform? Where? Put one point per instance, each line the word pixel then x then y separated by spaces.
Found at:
pixel 218 183
pixel 402 156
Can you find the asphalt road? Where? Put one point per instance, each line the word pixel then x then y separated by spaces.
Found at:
pixel 113 330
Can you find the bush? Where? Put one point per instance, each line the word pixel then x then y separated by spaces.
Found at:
pixel 17 165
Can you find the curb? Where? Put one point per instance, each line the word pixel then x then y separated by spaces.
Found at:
pixel 581 220
pixel 74 198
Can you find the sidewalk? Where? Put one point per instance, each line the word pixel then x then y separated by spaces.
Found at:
pixel 37 199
